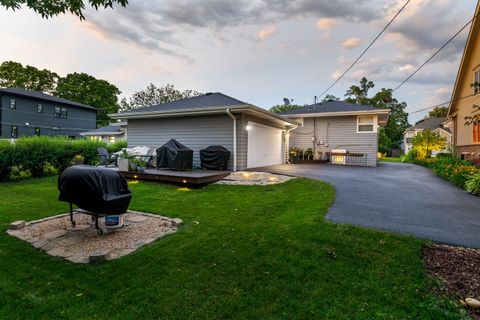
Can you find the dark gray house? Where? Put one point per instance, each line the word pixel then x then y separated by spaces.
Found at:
pixel 28 113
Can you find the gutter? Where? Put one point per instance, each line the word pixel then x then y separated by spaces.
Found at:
pixel 234 138
pixel 337 113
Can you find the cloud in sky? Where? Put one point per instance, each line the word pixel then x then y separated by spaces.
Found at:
pixel 267 33
pixel 326 23
pixel 213 45
pixel 351 43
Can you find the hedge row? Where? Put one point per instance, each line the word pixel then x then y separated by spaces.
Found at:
pixel 38 154
pixel 463 174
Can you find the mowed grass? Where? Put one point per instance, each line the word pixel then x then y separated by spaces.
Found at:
pixel 391 159
pixel 243 253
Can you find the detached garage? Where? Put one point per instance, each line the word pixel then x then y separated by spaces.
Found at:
pixel 254 136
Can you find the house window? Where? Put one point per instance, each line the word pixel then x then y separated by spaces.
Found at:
pixel 40 108
pixel 14 132
pixel 366 124
pixel 63 113
pixel 37 131
pixel 476 133
pixel 111 139
pixel 13 104
pixel 476 81
pixel 57 112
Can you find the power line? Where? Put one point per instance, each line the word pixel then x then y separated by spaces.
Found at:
pixel 366 49
pixel 436 52
pixel 442 104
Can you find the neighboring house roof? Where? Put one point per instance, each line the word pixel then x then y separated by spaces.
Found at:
pixel 469 47
pixel 337 108
pixel 429 124
pixel 104 131
pixel 330 106
pixel 43 96
pixel 210 103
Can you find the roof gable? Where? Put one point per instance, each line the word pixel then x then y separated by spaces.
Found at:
pixel 473 36
pixel 43 96
pixel 428 124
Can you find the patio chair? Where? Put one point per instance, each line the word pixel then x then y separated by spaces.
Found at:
pixel 148 157
pixel 105 158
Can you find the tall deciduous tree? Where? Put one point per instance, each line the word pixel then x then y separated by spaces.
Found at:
pixel 424 142
pixel 438 112
pixel 84 88
pixel 14 74
pixel 383 99
pixel 154 95
pixel 49 8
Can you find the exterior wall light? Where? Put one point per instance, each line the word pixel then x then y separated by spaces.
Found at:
pixel 248 127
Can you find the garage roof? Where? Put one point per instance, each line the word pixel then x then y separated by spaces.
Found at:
pixel 210 103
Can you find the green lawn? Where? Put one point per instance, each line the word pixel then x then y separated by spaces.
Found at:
pixel 390 159
pixel 243 253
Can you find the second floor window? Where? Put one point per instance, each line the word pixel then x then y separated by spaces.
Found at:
pixel 14 132
pixel 40 108
pixel 13 104
pixel 60 112
pixel 366 124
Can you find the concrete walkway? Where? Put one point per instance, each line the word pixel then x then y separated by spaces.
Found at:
pixel 403 198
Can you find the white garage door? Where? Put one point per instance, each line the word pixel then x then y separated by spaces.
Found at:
pixel 264 145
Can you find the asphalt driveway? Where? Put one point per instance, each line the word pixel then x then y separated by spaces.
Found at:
pixel 399 197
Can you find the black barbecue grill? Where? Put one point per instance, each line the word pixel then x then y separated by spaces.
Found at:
pixel 96 191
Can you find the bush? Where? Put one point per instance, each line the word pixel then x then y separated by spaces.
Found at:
pixel 6 163
pixel 43 155
pixel 117 146
pixel 473 184
pixel 409 156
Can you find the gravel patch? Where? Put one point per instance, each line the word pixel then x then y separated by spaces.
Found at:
pixel 250 178
pixel 58 238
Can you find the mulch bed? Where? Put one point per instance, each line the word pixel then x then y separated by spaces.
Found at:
pixel 458 268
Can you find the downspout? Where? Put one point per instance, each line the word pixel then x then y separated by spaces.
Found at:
pixel 234 139
pixel 287 144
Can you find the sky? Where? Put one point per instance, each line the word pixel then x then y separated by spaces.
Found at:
pixel 257 51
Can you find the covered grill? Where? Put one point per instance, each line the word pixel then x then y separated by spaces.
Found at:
pixel 214 158
pixel 98 191
pixel 174 155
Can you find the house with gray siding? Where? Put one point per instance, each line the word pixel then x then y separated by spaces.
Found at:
pixel 254 136
pixel 29 113
pixel 342 132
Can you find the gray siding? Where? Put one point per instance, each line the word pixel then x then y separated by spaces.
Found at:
pixel 338 133
pixel 194 132
pixel 78 119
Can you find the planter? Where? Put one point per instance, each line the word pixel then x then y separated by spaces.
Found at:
pixel 122 164
pixel 133 166
pixel 140 169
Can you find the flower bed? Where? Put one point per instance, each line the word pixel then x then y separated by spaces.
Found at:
pixel 463 174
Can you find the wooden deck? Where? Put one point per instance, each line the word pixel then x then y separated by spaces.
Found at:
pixel 194 177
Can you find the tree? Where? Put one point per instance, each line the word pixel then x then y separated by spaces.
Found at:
pixel 49 8
pixel 398 119
pixel 14 74
pixel 281 108
pixel 384 142
pixel 330 97
pixel 438 112
pixel 426 141
pixel 86 89
pixel 153 95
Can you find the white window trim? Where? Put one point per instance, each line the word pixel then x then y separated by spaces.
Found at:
pixel 374 123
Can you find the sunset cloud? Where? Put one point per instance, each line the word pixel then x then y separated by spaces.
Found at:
pixel 351 43
pixel 326 23
pixel 267 33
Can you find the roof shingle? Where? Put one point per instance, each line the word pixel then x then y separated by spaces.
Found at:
pixel 330 106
